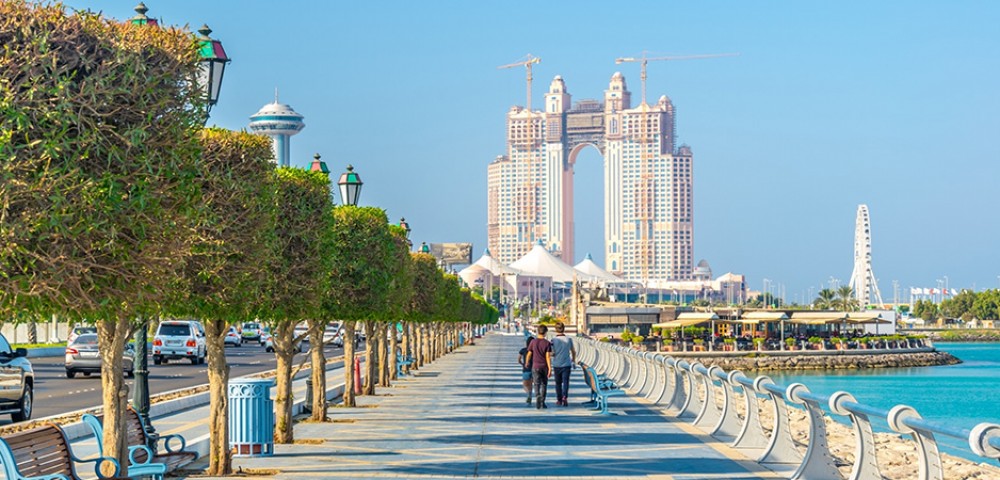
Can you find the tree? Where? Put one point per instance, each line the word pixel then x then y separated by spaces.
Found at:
pixel 98 138
pixel 226 274
pixel 360 276
pixel 299 271
pixel 926 309
pixel 421 311
pixel 826 299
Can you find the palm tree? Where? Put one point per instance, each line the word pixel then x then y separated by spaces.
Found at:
pixel 825 300
pixel 845 298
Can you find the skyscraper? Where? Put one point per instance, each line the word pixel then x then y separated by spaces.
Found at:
pixel 279 122
pixel 648 210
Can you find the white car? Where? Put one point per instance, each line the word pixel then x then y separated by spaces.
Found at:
pixel 177 339
pixel 80 330
pixel 269 345
pixel 233 338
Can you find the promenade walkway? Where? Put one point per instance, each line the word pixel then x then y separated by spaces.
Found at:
pixel 464 416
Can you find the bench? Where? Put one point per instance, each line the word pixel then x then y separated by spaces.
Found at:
pixel 401 362
pixel 44 453
pixel 600 389
pixel 170 456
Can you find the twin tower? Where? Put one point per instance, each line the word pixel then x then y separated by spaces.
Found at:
pixel 648 212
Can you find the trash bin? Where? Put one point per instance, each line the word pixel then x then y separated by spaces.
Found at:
pixel 251 417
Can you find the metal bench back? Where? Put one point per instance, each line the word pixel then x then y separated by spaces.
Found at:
pixel 37 452
pixel 135 433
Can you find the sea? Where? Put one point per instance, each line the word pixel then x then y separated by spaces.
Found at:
pixel 962 395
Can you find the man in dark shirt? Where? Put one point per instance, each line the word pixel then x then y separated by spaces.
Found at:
pixel 540 357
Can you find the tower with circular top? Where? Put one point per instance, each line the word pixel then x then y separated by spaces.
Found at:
pixel 278 121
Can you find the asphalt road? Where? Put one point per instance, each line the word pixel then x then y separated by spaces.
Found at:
pixel 55 394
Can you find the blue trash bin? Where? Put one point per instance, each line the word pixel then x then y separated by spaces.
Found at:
pixel 251 417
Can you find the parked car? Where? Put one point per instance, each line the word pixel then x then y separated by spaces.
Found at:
pixel 265 333
pixel 82 356
pixel 233 337
pixel 18 380
pixel 338 340
pixel 80 330
pixel 177 339
pixel 251 332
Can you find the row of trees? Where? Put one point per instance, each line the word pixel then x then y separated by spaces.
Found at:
pixel 116 206
pixel 967 305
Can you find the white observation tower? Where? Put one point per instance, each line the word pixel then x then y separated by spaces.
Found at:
pixel 279 122
pixel 863 279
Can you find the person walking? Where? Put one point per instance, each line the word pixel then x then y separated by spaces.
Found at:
pixel 522 358
pixel 540 357
pixel 563 358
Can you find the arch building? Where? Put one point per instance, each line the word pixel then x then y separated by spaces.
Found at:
pixel 648 210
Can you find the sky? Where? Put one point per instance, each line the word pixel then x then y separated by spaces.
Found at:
pixel 828 105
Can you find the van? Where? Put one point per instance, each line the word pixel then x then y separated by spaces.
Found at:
pixel 178 339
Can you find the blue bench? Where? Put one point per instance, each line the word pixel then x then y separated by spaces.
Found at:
pixel 401 362
pixel 43 453
pixel 141 457
pixel 600 389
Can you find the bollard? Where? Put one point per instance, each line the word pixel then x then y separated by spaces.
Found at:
pixel 251 417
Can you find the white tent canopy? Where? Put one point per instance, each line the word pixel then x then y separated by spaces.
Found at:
pixel 542 263
pixel 588 267
pixel 493 265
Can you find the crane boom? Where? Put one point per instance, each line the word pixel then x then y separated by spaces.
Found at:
pixel 643 60
pixel 527 209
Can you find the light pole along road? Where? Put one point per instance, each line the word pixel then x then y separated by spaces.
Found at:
pixel 55 394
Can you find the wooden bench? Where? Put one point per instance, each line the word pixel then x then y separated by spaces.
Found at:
pixel 44 453
pixel 171 455
pixel 600 389
pixel 401 362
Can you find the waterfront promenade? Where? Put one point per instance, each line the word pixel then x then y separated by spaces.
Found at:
pixel 464 416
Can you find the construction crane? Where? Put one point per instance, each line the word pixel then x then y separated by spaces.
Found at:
pixel 643 60
pixel 528 199
pixel 645 188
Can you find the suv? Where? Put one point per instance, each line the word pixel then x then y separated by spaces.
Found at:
pixel 251 332
pixel 177 339
pixel 18 380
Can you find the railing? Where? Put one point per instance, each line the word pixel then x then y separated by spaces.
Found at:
pixel 708 396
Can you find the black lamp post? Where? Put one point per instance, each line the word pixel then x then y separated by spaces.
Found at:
pixel 213 65
pixel 350 186
pixel 406 228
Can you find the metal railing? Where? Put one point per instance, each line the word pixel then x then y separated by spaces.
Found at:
pixel 708 396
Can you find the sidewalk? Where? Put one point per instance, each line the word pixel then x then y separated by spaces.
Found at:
pixel 464 416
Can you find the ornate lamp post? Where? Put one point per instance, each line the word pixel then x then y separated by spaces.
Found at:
pixel 406 228
pixel 424 248
pixel 213 65
pixel 350 186
pixel 319 165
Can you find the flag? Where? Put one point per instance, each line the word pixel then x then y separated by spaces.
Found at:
pixel 914 290
pixel 954 292
pixel 928 291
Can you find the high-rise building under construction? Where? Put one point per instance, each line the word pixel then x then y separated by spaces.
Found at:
pixel 648 211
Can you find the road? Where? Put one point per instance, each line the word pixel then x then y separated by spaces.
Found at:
pixel 55 394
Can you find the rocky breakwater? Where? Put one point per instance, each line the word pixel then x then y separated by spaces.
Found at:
pixel 833 360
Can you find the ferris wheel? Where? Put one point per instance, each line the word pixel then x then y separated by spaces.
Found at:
pixel 863 279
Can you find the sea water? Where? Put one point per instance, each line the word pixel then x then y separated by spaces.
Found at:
pixel 960 395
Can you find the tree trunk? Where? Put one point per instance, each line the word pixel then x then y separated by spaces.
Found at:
pixel 371 375
pixel 383 353
pixel 112 335
pixel 32 332
pixel 418 346
pixel 318 373
pixel 220 457
pixel 349 364
pixel 283 338
pixel 393 346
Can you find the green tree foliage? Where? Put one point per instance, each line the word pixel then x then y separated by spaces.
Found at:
pixel 226 275
pixel 299 270
pixel 825 299
pixel 98 159
pixel 926 310
pixel 845 299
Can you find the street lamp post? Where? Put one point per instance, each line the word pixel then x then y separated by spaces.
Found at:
pixel 213 66
pixel 350 186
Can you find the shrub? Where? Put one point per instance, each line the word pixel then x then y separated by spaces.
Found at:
pixel 790 341
pixel 638 339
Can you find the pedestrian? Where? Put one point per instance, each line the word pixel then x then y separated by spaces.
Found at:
pixel 522 358
pixel 563 358
pixel 540 357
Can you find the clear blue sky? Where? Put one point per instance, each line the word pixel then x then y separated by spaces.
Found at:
pixel 831 104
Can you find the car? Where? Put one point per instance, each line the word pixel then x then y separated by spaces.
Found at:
pixel 251 332
pixel 80 330
pixel 269 345
pixel 82 356
pixel 233 337
pixel 177 339
pixel 265 333
pixel 338 341
pixel 18 379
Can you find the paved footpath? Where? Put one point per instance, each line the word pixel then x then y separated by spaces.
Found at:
pixel 465 416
